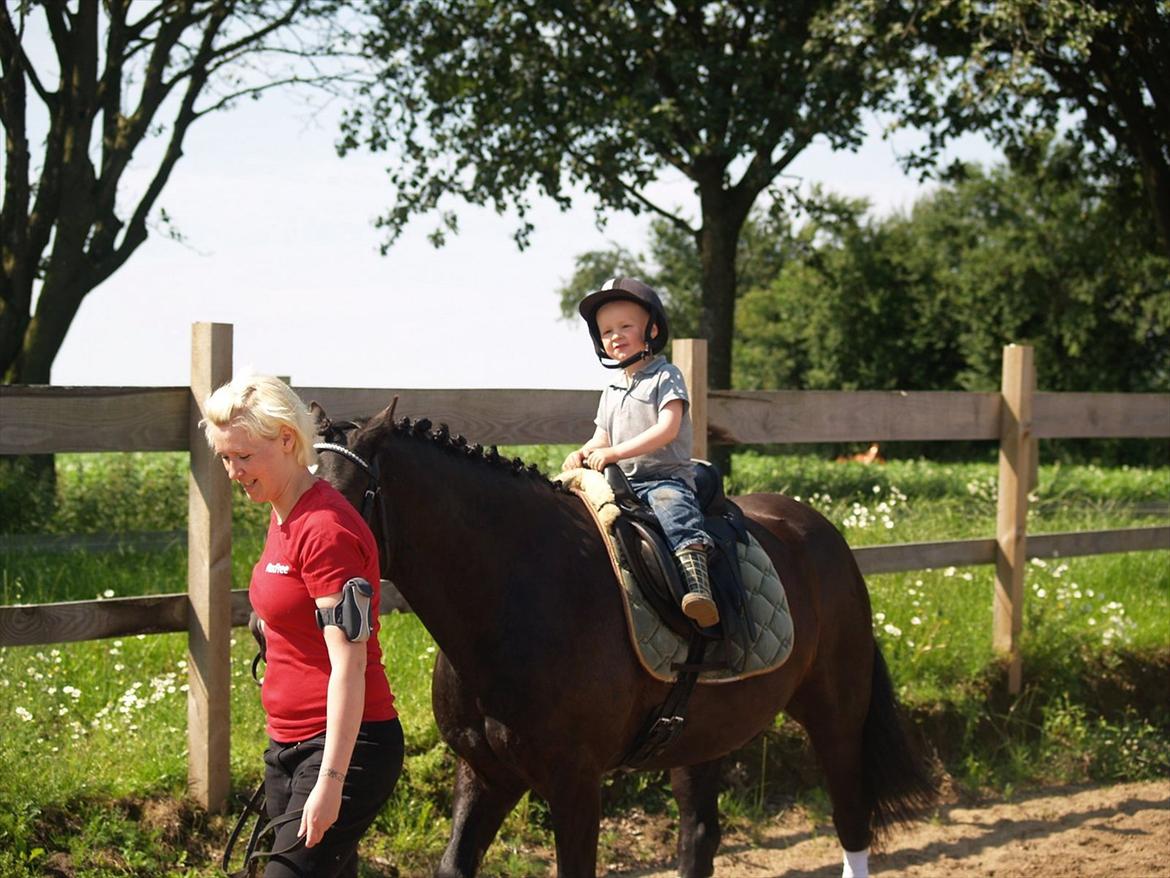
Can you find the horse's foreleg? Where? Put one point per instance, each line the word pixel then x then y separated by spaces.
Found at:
pixel 575 808
pixel 478 809
pixel 696 789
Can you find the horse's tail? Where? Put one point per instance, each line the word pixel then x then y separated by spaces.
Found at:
pixel 898 782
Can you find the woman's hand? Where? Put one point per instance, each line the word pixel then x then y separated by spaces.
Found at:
pixel 321 809
pixel 575 460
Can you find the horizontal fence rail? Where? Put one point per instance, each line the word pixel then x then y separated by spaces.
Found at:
pixel 49 420
pixel 791 416
pixel 1101 416
pixel 45 420
pixel 901 557
pixel 71 621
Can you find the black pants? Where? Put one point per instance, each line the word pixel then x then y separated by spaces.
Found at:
pixel 289 776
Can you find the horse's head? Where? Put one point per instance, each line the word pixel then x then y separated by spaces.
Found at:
pixel 348 459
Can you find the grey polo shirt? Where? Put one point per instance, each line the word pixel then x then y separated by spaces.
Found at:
pixel 631 406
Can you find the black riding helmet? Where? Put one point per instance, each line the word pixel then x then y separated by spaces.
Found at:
pixel 631 290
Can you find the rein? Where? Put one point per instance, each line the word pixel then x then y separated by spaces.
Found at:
pixel 252 857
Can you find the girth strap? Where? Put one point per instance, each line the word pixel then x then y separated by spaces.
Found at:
pixel 665 724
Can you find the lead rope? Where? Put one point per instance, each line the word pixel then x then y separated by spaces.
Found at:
pixel 252 857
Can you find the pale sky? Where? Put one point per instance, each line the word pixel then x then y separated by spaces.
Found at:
pixel 281 243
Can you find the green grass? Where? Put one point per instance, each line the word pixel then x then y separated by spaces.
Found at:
pixel 92 735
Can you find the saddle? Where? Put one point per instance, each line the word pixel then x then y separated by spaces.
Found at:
pixel 643 544
pixel 754 634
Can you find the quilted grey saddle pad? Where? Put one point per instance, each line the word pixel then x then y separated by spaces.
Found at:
pixel 658 647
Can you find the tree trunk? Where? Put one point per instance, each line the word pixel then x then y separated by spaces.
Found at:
pixel 717 243
pixel 56 308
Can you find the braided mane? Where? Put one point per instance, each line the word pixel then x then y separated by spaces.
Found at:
pixel 444 439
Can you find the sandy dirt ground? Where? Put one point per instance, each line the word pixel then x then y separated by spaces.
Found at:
pixel 1075 832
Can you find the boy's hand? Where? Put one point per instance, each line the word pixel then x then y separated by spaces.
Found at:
pixel 575 460
pixel 600 458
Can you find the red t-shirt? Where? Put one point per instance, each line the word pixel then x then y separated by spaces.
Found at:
pixel 321 544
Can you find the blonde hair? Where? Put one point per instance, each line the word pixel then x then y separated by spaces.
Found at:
pixel 262 405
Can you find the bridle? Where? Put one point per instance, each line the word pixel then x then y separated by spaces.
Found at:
pixel 372 500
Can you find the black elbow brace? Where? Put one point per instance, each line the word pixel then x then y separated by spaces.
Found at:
pixel 354 614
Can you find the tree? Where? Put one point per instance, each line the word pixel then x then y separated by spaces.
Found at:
pixel 120 74
pixel 495 102
pixel 858 308
pixel 1035 251
pixel 1014 66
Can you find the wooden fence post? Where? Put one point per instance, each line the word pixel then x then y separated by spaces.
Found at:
pixel 209 582
pixel 690 355
pixel 1017 447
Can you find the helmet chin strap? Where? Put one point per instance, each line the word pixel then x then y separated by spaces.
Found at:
pixel 628 361
pixel 643 354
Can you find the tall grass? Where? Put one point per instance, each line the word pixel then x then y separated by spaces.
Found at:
pixel 92 735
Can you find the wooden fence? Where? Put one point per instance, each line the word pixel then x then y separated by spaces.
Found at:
pixel 36 420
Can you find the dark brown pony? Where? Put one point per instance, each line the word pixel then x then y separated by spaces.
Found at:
pixel 537 686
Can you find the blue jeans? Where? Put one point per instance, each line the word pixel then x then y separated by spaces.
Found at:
pixel 677 509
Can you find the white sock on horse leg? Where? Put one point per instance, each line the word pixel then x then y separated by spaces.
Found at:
pixel 856 864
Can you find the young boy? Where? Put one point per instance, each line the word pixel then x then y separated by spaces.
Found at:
pixel 642 426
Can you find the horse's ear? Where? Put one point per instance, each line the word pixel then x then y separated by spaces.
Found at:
pixel 319 416
pixel 388 412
